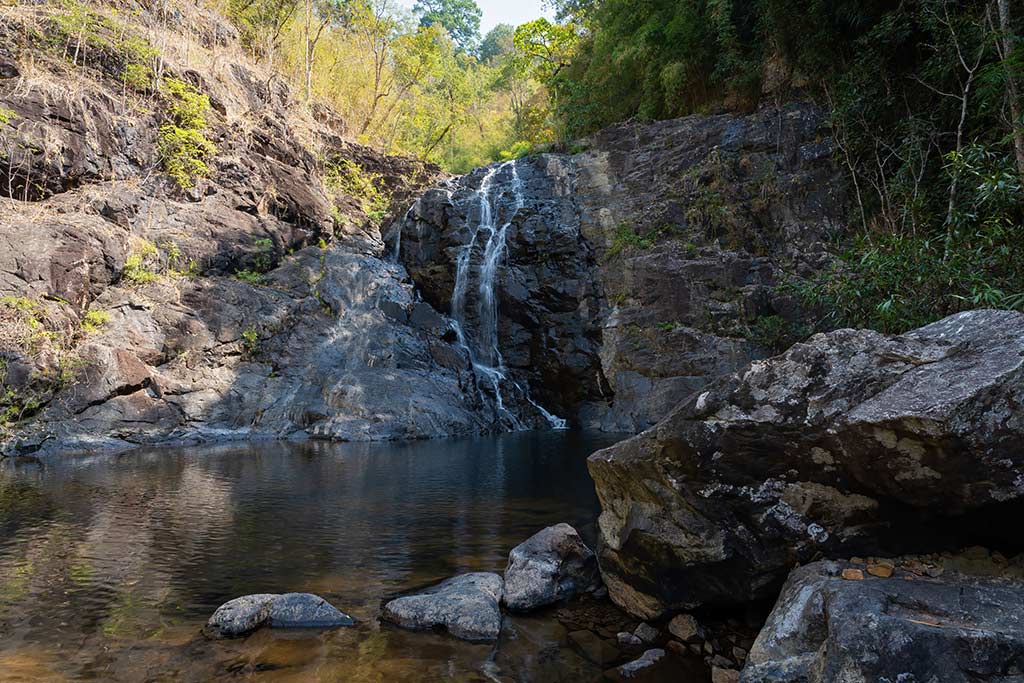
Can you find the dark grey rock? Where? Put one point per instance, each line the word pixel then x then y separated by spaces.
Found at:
pixel 853 443
pixel 242 615
pixel 639 666
pixel 551 566
pixel 629 640
pixel 647 633
pixel 467 606
pixel 954 629
pixel 289 610
pixel 305 610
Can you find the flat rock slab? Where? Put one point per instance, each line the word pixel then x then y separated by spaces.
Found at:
pixel 290 610
pixel 467 606
pixel 551 566
pixel 953 628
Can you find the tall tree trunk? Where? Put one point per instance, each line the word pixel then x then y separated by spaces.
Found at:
pixel 1007 47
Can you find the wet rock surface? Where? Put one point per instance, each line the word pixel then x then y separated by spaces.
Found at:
pixel 953 628
pixel 243 615
pixel 851 443
pixel 466 606
pixel 640 269
pixel 551 566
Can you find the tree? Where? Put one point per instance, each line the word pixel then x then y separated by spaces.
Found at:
pixel 1007 47
pixel 461 18
pixel 496 43
pixel 318 15
pixel 546 47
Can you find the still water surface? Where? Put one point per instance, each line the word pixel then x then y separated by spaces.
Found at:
pixel 110 565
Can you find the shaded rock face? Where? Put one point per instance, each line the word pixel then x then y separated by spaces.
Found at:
pixel 551 566
pixel 466 606
pixel 636 271
pixel 954 629
pixel 851 443
pixel 289 610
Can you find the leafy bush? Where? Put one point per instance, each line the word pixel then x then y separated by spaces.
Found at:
pixel 94 320
pixel 898 281
pixel 182 144
pixel 343 176
pixel 138 264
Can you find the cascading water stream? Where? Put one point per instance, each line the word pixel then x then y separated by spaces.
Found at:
pixel 483 350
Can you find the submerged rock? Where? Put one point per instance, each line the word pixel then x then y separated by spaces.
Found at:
pixel 305 610
pixel 854 442
pixel 953 629
pixel 640 666
pixel 551 566
pixel 467 606
pixel 291 610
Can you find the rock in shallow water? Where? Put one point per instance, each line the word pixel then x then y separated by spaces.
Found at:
pixel 851 443
pixel 551 566
pixel 467 606
pixel 953 629
pixel 290 610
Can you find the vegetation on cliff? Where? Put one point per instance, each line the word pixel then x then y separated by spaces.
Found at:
pixel 925 107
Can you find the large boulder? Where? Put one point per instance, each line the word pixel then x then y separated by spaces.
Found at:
pixel 551 566
pixel 953 629
pixel 289 610
pixel 467 606
pixel 851 443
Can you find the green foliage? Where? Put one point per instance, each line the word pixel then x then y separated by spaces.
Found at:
pixel 249 277
pixel 182 144
pixel 461 18
pixel 87 36
pixel 775 333
pixel 925 109
pixel 251 341
pixel 6 116
pixel 497 43
pixel 94 320
pixel 262 262
pixel 138 265
pixel 344 176
pixel 627 238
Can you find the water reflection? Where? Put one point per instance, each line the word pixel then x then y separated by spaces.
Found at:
pixel 110 565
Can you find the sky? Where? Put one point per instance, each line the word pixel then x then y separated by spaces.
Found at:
pixel 496 12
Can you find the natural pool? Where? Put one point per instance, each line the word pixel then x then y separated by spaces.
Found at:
pixel 110 565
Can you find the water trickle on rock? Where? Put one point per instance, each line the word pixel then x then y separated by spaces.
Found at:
pixel 488 238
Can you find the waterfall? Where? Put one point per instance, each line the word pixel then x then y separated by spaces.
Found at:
pixel 483 346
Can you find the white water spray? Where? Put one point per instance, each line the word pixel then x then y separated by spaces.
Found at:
pixel 483 350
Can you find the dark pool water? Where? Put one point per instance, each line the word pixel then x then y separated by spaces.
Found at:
pixel 110 565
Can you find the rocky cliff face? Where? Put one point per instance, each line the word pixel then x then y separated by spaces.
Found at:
pixel 642 266
pixel 257 303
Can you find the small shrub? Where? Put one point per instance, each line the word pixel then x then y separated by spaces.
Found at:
pixel 251 341
pixel 775 333
pixel 347 177
pixel 6 116
pixel 182 144
pixel 627 238
pixel 94 320
pixel 137 269
pixel 250 277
